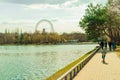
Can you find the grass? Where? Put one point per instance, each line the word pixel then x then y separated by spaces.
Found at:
pixel 56 75
pixel 118 51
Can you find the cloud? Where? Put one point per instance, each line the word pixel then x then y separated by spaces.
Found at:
pixel 42 6
pixel 72 9
pixel 70 3
pixel 69 9
pixel 38 4
pixel 67 4
pixel 35 1
pixel 21 13
pixel 63 2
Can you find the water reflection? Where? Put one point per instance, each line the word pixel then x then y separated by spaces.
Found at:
pixel 28 54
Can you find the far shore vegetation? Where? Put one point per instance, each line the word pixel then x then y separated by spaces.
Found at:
pixel 19 38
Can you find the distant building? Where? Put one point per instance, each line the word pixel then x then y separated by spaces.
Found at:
pixel 72 41
pixel 43 32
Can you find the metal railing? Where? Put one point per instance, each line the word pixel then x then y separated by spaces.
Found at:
pixel 69 75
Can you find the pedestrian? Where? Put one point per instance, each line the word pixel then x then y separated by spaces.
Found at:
pixel 101 44
pixel 104 51
pixel 110 45
pixel 113 45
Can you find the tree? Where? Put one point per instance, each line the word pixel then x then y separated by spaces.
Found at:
pixel 114 13
pixel 26 38
pixel 94 21
pixel 102 21
pixel 81 37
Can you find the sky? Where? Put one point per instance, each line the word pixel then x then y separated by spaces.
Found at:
pixel 25 14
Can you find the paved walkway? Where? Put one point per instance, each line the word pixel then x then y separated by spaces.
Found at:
pixel 96 70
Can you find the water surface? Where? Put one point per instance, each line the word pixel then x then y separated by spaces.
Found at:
pixel 37 62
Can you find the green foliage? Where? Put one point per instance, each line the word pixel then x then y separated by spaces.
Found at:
pixel 94 21
pixel 100 21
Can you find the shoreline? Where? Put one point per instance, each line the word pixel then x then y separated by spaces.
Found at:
pixel 79 43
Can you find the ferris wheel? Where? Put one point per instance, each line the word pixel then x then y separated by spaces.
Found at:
pixel 44 20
